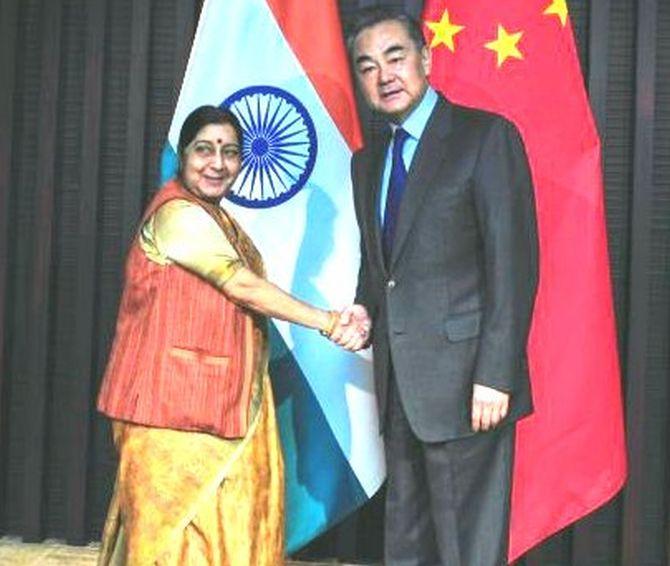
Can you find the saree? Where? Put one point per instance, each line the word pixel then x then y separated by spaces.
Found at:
pixel 192 498
pixel 186 498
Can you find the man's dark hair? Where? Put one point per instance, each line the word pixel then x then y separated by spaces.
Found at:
pixel 204 116
pixel 368 17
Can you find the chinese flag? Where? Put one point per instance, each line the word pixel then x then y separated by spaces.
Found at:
pixel 517 58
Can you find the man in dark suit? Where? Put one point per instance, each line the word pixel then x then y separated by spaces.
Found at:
pixel 445 208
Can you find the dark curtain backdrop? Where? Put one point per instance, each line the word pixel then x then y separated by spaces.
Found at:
pixel 87 89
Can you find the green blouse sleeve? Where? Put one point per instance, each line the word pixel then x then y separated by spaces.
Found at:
pixel 181 232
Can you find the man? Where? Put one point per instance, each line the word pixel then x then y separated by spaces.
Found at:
pixel 445 208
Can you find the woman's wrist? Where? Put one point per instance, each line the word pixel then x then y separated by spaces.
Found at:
pixel 329 323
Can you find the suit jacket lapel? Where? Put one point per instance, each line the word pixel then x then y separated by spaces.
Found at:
pixel 373 190
pixel 425 165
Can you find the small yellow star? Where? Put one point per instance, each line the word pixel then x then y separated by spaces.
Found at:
pixel 505 45
pixel 559 8
pixel 444 31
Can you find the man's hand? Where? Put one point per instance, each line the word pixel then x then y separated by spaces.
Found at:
pixel 353 329
pixel 489 407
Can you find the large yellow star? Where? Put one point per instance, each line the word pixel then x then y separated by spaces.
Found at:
pixel 444 31
pixel 559 8
pixel 505 45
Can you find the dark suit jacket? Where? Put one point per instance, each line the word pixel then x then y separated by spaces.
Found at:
pixel 453 307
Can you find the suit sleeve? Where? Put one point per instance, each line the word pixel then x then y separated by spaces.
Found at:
pixel 364 295
pixel 505 207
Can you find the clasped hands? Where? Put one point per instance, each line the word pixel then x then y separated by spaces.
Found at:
pixel 352 330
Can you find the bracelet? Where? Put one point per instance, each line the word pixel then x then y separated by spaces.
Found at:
pixel 332 324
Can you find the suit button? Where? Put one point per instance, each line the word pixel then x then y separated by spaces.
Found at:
pixel 391 284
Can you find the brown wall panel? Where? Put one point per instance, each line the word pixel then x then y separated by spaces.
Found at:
pixel 644 502
pixel 84 329
pixel 40 280
pixel 62 382
pixel 8 27
pixel 21 204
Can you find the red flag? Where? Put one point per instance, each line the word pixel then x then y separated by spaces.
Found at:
pixel 517 58
pixel 314 33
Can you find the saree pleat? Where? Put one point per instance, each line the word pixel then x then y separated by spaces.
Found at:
pixel 186 498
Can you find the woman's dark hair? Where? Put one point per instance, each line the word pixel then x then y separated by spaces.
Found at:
pixel 373 15
pixel 201 117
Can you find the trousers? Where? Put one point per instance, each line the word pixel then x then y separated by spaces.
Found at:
pixel 447 503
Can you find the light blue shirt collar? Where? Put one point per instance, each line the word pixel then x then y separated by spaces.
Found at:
pixel 414 125
pixel 416 122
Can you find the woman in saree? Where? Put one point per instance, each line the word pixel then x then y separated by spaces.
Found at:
pixel 200 477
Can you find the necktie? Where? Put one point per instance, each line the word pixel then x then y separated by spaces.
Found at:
pixel 395 191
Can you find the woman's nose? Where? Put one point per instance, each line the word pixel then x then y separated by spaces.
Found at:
pixel 218 162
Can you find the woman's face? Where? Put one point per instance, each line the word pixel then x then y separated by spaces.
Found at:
pixel 211 161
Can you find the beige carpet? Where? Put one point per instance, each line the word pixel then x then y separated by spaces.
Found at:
pixel 13 552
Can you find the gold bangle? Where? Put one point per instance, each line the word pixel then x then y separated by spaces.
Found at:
pixel 332 324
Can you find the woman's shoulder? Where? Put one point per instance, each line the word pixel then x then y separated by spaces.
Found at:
pixel 181 211
pixel 179 205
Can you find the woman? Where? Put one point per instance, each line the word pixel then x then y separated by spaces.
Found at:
pixel 200 477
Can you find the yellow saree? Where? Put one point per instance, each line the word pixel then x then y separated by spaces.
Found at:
pixel 189 498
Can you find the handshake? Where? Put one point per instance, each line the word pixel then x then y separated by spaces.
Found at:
pixel 350 328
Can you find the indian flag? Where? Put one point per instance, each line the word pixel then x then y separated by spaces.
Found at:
pixel 280 66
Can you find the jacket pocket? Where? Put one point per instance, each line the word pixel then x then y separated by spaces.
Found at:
pixel 463 326
pixel 198 357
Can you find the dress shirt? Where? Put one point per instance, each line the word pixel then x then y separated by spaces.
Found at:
pixel 414 125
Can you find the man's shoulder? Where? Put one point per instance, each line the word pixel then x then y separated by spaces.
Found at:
pixel 364 154
pixel 475 116
pixel 358 158
pixel 478 118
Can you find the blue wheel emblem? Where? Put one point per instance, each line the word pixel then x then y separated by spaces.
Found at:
pixel 279 146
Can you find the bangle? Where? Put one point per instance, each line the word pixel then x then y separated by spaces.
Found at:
pixel 332 323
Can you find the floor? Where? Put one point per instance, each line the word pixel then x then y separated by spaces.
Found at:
pixel 13 552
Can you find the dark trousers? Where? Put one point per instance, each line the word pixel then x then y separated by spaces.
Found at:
pixel 447 503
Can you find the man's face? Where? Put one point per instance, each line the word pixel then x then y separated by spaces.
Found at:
pixel 392 72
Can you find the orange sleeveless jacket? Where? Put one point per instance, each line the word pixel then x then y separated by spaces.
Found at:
pixel 183 355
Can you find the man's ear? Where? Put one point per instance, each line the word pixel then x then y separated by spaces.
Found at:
pixel 426 61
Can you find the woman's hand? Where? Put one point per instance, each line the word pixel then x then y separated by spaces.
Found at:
pixel 349 328
pixel 352 330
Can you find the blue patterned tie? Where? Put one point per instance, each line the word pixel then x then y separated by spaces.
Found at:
pixel 396 188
